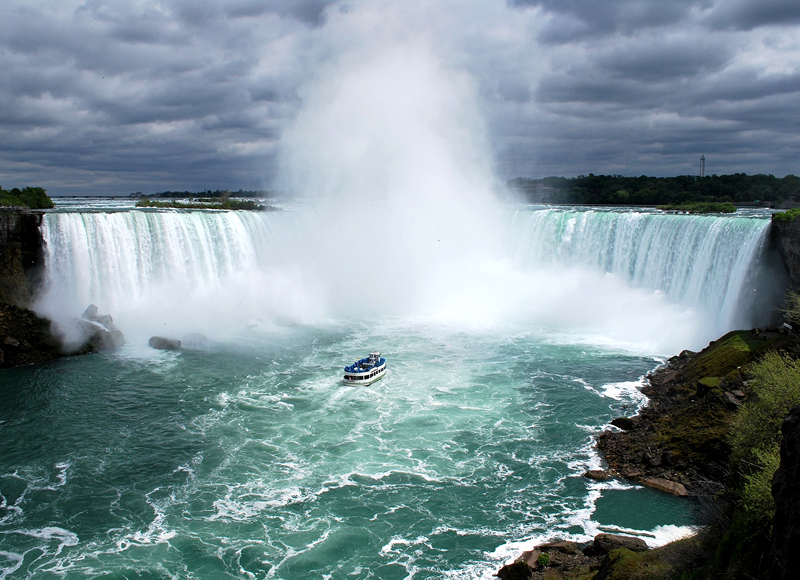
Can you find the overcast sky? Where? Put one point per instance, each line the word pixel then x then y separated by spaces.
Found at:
pixel 105 97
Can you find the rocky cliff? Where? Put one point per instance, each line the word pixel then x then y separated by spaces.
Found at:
pixel 786 491
pixel 21 255
pixel 785 235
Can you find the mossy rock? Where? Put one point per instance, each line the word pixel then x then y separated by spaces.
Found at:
pixel 733 350
pixel 710 382
pixel 623 564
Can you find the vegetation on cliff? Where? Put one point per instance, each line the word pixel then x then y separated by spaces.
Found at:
pixel 619 190
pixel 229 204
pixel 32 197
pixel 786 216
pixel 700 207
pixel 217 193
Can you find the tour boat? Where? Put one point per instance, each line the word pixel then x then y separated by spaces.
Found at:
pixel 366 370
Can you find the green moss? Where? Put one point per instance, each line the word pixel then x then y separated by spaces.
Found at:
pixel 627 565
pixel 730 352
pixel 710 382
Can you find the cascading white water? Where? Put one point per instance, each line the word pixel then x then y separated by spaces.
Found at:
pixel 629 276
pixel 171 272
pixel 705 262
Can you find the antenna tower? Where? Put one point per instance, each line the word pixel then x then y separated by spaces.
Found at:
pixel 702 166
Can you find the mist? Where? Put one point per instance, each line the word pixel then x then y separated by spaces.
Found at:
pixel 394 215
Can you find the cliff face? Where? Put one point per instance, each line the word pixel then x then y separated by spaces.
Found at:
pixel 786 237
pixel 786 491
pixel 21 256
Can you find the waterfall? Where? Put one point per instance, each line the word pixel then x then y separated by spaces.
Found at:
pixel 182 270
pixel 174 272
pixel 709 262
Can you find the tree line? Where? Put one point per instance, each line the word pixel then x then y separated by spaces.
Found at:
pixel 591 189
pixel 217 193
pixel 32 197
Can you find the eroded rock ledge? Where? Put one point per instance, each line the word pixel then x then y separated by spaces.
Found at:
pixel 677 443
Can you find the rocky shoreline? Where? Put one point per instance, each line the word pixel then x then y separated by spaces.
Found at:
pixel 677 444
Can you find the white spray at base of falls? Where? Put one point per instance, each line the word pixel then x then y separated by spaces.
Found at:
pixel 391 148
pixel 655 282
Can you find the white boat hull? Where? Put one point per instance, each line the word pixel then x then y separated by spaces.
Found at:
pixel 365 378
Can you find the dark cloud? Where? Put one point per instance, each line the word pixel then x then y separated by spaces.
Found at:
pixel 750 14
pixel 105 97
pixel 575 20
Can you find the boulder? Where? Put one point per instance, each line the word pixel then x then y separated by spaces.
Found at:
pixel 604 543
pixel 100 332
pixel 529 557
pixel 108 340
pixel 665 485
pixel 786 491
pixel 515 571
pixel 562 546
pixel 597 475
pixel 90 313
pixel 163 343
pixel 731 401
pixel 624 423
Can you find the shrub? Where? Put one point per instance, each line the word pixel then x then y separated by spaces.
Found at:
pixel 775 389
pixel 543 561
pixel 757 499
pixel 786 216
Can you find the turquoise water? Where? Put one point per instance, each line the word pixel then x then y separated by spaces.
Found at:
pixel 244 455
pixel 252 459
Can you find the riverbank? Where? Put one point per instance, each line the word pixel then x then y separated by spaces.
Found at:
pixel 678 443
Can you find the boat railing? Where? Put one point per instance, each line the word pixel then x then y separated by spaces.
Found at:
pixel 356 366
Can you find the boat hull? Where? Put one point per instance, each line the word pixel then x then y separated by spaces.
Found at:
pixel 365 378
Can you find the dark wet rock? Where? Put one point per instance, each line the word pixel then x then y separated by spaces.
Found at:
pixel 26 338
pixel 650 458
pixel 515 571
pixel 624 423
pixel 163 343
pixel 786 237
pixel 786 492
pixel 21 256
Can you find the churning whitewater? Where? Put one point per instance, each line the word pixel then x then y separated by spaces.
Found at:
pixel 602 272
pixel 245 456
pixel 512 334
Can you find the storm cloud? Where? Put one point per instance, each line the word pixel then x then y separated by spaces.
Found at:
pixel 103 97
